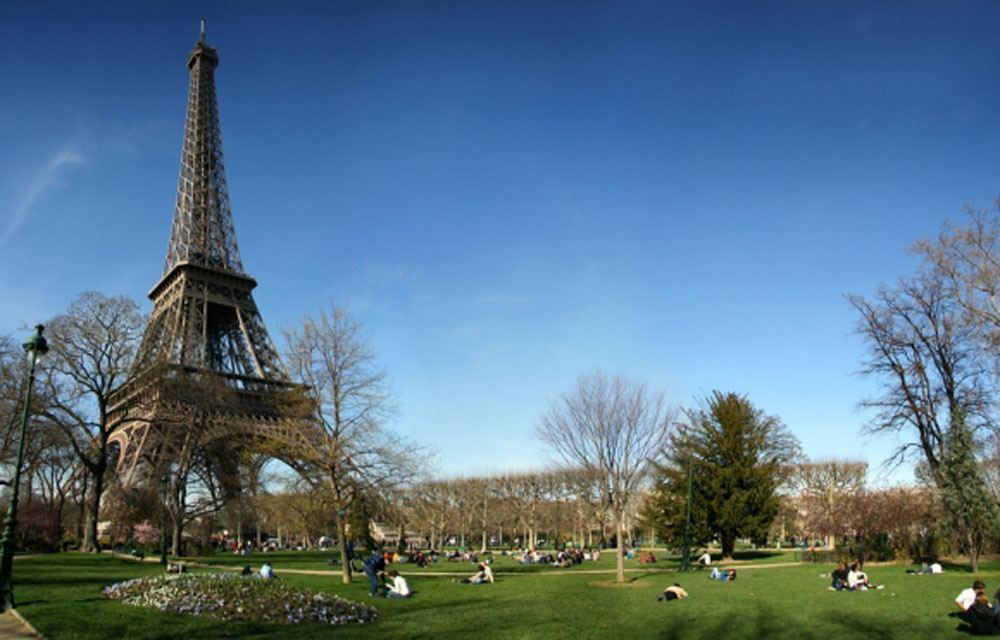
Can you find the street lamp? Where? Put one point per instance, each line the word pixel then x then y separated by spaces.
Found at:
pixel 686 551
pixel 34 347
pixel 164 487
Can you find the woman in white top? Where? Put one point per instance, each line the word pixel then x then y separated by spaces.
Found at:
pixel 484 575
pixel 398 589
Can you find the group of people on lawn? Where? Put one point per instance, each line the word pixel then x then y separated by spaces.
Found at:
pixel 975 609
pixel 850 579
pixel 392 585
pixel 567 557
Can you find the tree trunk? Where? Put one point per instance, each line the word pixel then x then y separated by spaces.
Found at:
pixel 82 515
pixel 176 531
pixel 91 542
pixel 483 550
pixel 973 554
pixel 728 544
pixel 621 554
pixel 344 560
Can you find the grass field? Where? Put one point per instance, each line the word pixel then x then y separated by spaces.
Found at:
pixel 61 595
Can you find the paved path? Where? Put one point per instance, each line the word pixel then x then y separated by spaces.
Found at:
pixel 12 627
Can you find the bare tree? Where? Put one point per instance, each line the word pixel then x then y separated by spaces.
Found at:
pixel 828 488
pixel 613 427
pixel 926 357
pixel 966 258
pixel 92 347
pixel 355 453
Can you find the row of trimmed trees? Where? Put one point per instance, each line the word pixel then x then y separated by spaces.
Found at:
pixel 516 509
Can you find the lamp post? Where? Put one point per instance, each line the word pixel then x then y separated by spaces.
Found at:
pixel 686 551
pixel 34 347
pixel 164 487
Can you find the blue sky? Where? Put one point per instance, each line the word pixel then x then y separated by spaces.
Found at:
pixel 508 194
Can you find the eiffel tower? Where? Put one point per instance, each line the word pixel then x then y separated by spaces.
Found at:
pixel 206 374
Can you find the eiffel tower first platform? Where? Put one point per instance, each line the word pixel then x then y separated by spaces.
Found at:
pixel 207 375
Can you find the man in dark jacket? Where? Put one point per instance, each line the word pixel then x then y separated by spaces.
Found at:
pixel 374 565
pixel 981 617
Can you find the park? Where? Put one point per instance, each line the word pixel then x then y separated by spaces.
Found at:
pixel 788 600
pixel 570 322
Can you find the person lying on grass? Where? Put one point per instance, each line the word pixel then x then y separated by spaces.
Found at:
pixel 725 575
pixel 927 569
pixel 981 617
pixel 672 593
pixel 396 588
pixel 967 598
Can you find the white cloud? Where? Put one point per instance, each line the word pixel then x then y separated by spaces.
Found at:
pixel 47 179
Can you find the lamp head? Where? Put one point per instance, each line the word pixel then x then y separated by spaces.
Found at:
pixel 36 344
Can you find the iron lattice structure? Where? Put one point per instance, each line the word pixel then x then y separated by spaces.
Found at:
pixel 207 375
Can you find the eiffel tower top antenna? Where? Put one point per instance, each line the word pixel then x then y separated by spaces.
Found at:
pixel 202 38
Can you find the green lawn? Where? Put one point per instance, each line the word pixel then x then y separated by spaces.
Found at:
pixel 61 595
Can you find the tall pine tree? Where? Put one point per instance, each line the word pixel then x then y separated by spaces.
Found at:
pixel 739 457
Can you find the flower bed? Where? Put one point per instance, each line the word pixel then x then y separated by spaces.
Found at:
pixel 229 596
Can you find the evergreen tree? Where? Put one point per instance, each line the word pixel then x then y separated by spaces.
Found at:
pixel 970 509
pixel 739 457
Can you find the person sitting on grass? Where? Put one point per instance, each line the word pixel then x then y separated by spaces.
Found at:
pixel 705 559
pixel 839 576
pixel 266 571
pixel 967 598
pixel 397 589
pixel 858 580
pixel 672 593
pixel 483 576
pixel 420 559
pixel 981 616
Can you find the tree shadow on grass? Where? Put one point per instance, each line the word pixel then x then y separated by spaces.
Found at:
pixel 954 566
pixel 763 624
pixel 753 554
